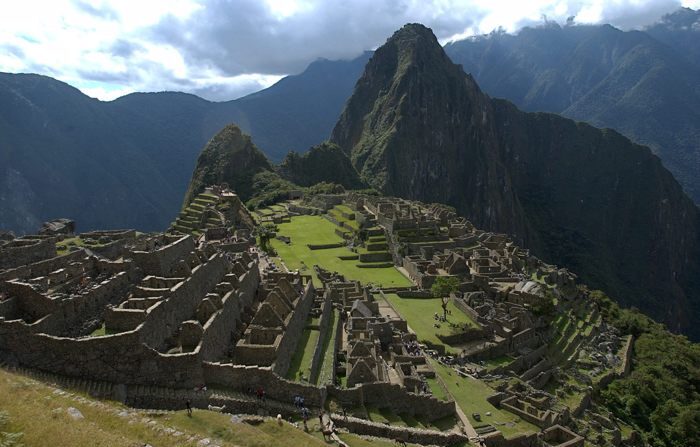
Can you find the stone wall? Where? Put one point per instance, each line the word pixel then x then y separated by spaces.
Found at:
pixel 122 320
pixel 218 331
pixel 160 262
pixel 466 336
pixel 163 318
pixel 43 268
pixel 71 313
pixel 324 322
pixel 497 439
pixel 22 251
pixel 236 247
pixel 112 250
pixel 406 434
pixel 393 396
pixel 114 358
pixel 245 378
pixel 462 305
pixel 414 293
pixel 294 329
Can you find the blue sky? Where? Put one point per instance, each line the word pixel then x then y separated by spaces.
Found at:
pixel 223 49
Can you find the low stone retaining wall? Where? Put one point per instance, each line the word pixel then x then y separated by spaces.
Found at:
pixel 325 246
pixel 407 434
pixel 414 293
pixel 380 256
pixel 468 335
pixel 381 265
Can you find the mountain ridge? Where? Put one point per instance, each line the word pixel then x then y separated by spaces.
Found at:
pixel 126 163
pixel 419 127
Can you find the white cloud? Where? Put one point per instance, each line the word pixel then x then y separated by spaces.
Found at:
pixel 222 49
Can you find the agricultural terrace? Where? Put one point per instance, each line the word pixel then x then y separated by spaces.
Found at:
pixel 470 394
pixel 315 230
pixel 420 312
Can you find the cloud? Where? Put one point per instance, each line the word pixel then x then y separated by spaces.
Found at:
pixel 123 48
pixel 249 36
pixel 102 10
pixel 253 36
pixel 222 49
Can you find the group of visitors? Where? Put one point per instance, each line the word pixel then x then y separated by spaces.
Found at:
pixel 303 411
pixel 412 347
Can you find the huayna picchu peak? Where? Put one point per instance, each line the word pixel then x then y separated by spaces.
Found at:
pixel 418 127
pixel 440 267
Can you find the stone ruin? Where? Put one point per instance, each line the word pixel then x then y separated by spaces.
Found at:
pixel 57 226
pixel 201 314
pixel 154 320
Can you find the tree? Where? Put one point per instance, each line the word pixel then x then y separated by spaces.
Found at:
pixel 265 233
pixel 442 287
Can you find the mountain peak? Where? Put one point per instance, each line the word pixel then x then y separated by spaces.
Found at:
pixel 408 82
pixel 418 127
pixel 229 157
pixel 414 43
pixel 414 32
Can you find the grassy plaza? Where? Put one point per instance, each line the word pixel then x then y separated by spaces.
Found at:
pixel 304 230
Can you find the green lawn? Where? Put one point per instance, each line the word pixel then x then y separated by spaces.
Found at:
pixel 304 230
pixel 437 389
pixel 498 361
pixel 100 331
pixel 301 362
pixel 470 395
pixel 327 373
pixel 419 313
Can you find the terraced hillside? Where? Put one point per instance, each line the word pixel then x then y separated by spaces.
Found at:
pixel 200 214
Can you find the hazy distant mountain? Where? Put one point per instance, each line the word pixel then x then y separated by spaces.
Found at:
pixel 418 127
pixel 681 31
pixel 126 163
pixel 646 85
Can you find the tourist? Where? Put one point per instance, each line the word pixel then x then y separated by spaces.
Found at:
pixel 305 418
pixel 188 404
pixel 261 393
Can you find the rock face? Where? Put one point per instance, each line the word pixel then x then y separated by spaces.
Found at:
pixel 418 127
pixel 230 157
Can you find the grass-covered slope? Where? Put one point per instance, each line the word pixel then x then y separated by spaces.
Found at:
pixel 661 396
pixel 33 414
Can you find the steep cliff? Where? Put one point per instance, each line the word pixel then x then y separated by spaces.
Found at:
pixel 417 126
